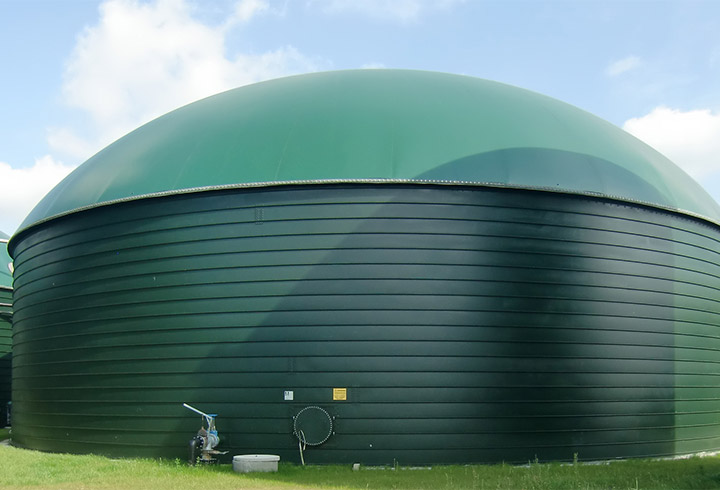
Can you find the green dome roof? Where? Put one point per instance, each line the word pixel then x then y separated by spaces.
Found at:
pixel 377 125
pixel 5 261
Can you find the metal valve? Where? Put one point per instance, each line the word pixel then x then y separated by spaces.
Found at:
pixel 202 446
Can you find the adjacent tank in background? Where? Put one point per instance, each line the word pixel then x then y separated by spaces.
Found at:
pixel 390 265
pixel 5 328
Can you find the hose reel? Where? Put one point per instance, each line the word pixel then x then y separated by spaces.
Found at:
pixel 312 426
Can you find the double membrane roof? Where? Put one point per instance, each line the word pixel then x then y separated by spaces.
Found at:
pixel 378 126
pixel 5 263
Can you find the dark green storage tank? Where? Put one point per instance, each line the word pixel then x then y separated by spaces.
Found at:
pixel 452 269
pixel 5 327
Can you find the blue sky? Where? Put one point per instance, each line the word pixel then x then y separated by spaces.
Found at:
pixel 78 74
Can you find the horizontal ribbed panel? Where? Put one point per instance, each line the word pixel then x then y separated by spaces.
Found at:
pixel 465 324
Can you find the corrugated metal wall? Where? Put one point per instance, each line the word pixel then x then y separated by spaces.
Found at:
pixel 466 324
pixel 5 348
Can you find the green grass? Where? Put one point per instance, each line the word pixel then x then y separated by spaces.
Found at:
pixel 35 470
pixel 4 434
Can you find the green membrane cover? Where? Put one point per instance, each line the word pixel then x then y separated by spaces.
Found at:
pixel 5 261
pixel 381 126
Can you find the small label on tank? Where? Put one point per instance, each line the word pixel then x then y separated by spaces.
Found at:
pixel 288 395
pixel 340 394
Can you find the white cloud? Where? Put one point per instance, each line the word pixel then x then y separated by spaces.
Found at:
pixel 246 10
pixel 624 65
pixel 24 187
pixel 139 61
pixel 691 139
pixel 395 10
pixel 65 141
pixel 143 59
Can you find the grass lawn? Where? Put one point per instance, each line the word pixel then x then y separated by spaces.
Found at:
pixel 21 468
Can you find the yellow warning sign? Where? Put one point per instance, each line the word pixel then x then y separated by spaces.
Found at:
pixel 340 394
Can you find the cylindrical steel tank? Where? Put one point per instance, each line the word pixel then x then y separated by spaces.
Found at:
pixel 5 327
pixel 446 269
